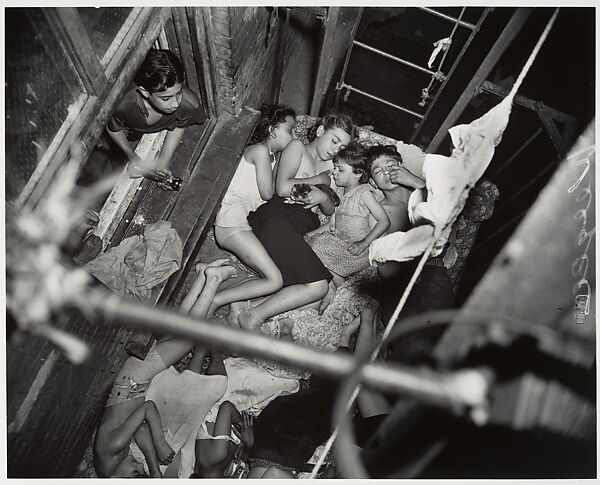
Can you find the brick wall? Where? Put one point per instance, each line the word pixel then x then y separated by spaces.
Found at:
pixel 245 50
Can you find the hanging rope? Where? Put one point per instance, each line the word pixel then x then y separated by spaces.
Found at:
pixel 424 258
pixel 438 75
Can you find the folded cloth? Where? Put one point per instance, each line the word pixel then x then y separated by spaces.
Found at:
pixel 183 400
pixel 140 263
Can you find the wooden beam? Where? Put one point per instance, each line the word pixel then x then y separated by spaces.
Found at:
pixel 512 28
pixel 186 50
pixel 73 36
pixel 326 60
pixel 200 40
pixel 88 124
pixel 490 87
pixel 551 129
pixel 207 170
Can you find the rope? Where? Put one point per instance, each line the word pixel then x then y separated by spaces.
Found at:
pixel 386 333
pixel 433 78
pixel 424 258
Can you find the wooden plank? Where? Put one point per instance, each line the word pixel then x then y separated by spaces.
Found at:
pixel 73 36
pixel 545 271
pixel 92 118
pixel 186 52
pixel 190 211
pixel 204 65
pixel 490 87
pixel 512 28
pixel 551 129
pixel 326 60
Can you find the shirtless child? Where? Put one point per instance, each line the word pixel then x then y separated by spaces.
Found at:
pixel 126 411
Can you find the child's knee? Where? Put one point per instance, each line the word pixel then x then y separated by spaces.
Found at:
pixel 318 288
pixel 275 282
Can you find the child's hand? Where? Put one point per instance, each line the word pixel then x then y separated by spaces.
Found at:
pixel 357 248
pixel 315 197
pixel 135 163
pixel 402 176
pixel 244 430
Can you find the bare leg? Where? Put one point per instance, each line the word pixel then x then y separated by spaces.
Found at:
pixel 328 298
pixel 246 246
pixel 214 277
pixel 370 403
pixel 173 349
pixel 348 331
pixel 213 453
pixel 143 438
pixel 288 298
pixel 197 360
pixel 196 288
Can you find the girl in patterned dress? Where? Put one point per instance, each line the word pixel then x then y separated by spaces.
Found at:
pixel 342 243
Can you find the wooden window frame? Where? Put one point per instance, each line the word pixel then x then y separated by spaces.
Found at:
pixel 104 80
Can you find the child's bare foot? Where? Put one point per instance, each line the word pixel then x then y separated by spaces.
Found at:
pixel 249 319
pixel 286 325
pixel 218 274
pixel 348 331
pixel 200 268
pixel 328 298
pixel 164 452
pixel 235 308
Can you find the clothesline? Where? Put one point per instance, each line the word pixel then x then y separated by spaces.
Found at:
pixel 426 254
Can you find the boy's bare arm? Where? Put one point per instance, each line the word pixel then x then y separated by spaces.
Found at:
pixel 121 141
pixel 169 146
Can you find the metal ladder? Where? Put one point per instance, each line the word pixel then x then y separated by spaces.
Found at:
pixel 436 76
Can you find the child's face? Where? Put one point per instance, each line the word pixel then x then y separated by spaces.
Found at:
pixel 330 142
pixel 283 133
pixel 343 175
pixel 380 174
pixel 166 101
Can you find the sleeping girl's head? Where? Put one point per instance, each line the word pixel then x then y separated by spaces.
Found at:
pixel 349 168
pixel 378 160
pixel 332 133
pixel 274 126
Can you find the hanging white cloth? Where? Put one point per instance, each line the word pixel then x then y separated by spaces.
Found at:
pixel 440 45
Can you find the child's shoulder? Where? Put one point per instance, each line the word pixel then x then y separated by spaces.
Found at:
pixel 258 150
pixel 296 145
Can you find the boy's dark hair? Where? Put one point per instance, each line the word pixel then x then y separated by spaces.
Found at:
pixel 374 152
pixel 160 70
pixel 334 120
pixel 354 155
pixel 271 115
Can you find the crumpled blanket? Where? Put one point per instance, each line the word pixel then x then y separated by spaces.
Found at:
pixel 183 400
pixel 140 263
pixel 448 181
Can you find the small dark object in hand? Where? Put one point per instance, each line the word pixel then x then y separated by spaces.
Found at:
pixel 163 179
pixel 300 191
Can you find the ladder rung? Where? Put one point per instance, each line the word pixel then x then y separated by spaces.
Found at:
pixel 406 110
pixel 393 58
pixel 462 23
